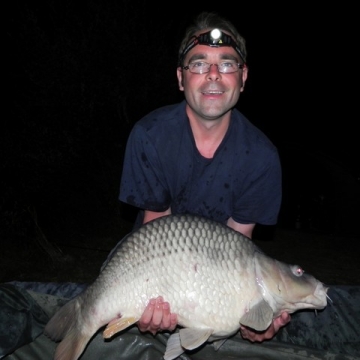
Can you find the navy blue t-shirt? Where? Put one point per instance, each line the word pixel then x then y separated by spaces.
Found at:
pixel 163 168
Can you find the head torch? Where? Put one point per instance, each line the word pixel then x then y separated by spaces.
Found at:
pixel 213 38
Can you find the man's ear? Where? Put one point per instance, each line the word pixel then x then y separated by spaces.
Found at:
pixel 179 74
pixel 244 76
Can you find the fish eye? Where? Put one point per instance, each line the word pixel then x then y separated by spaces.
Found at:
pixel 297 270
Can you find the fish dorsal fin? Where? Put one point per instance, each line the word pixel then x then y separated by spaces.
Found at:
pixel 173 347
pixel 192 338
pixel 259 317
pixel 117 325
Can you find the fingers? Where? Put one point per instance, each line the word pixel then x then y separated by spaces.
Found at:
pixel 157 317
pixel 173 322
pixel 146 317
pixel 255 336
pixel 163 313
pixel 159 312
pixel 281 321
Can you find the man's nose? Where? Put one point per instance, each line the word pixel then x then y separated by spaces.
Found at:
pixel 214 73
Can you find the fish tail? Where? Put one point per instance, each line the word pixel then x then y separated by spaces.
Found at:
pixel 62 321
pixel 64 326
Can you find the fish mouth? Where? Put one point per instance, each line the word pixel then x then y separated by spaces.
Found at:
pixel 321 288
pixel 318 300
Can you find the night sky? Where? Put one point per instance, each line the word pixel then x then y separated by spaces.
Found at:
pixel 79 74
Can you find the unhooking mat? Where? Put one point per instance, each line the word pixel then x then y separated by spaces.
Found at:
pixel 25 308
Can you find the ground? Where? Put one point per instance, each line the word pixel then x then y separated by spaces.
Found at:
pixel 332 259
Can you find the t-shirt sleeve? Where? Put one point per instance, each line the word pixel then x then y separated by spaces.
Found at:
pixel 143 183
pixel 260 202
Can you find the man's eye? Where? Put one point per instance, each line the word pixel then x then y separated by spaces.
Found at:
pixel 198 64
pixel 227 65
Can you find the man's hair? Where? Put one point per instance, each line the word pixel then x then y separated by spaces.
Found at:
pixel 211 20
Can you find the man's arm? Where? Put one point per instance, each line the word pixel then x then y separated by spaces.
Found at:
pixel 245 229
pixel 151 215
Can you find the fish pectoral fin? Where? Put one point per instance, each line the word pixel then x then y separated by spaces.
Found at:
pixel 117 325
pixel 258 317
pixel 173 347
pixel 192 338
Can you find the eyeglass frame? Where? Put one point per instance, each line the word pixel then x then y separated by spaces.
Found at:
pixel 239 65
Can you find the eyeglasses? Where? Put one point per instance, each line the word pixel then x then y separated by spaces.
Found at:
pixel 202 67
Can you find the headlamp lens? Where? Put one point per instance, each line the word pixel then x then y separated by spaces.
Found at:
pixel 215 34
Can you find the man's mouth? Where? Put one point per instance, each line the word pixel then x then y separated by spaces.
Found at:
pixel 212 92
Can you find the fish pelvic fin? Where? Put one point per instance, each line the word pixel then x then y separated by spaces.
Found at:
pixel 217 344
pixel 186 339
pixel 173 347
pixel 117 325
pixel 259 317
pixel 192 338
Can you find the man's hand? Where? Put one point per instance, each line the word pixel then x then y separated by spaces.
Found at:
pixel 269 333
pixel 157 317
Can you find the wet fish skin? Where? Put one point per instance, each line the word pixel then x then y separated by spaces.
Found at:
pixel 213 277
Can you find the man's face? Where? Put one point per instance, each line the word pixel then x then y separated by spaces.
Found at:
pixel 213 94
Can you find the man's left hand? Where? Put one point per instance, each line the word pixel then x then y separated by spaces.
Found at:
pixel 157 317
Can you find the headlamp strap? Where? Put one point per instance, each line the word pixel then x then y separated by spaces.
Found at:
pixel 222 39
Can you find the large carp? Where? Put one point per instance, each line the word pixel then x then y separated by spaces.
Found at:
pixel 214 278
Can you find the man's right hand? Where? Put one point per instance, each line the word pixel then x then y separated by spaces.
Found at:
pixel 157 317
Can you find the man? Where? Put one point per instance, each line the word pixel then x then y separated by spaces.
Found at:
pixel 203 156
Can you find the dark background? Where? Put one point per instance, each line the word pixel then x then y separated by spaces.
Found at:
pixel 79 74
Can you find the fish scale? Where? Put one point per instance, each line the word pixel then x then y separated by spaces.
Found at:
pixel 214 278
